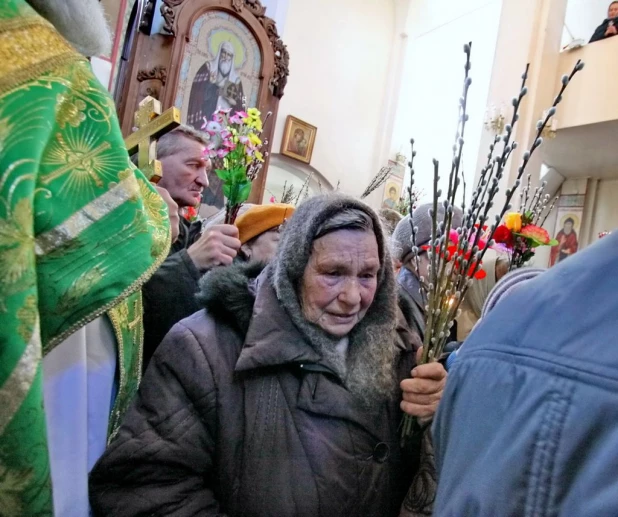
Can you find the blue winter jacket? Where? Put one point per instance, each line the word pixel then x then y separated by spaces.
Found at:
pixel 528 425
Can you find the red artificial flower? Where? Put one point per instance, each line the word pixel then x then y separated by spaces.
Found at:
pixel 480 274
pixel 538 235
pixel 504 236
pixel 190 213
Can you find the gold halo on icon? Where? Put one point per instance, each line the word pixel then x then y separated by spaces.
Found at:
pixel 567 216
pixel 220 36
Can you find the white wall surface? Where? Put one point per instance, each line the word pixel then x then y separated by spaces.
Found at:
pixel 433 78
pixel 339 58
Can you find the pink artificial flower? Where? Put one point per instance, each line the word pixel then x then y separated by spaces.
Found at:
pixel 242 114
pixel 453 236
pixel 229 145
pixel 243 139
pixel 235 119
pixel 225 134
pixel 222 153
pixel 212 128
pixel 272 199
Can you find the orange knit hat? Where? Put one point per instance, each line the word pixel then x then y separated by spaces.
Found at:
pixel 261 218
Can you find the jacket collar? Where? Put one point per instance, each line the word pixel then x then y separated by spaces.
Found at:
pixel 272 338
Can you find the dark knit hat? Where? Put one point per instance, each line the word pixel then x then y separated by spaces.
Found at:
pixel 401 241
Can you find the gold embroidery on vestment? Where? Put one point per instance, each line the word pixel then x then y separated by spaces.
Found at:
pixel 86 216
pixel 29 48
pixel 16 388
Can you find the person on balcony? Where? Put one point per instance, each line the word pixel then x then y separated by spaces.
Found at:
pixel 609 27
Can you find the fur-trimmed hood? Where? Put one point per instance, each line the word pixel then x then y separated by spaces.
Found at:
pixel 228 293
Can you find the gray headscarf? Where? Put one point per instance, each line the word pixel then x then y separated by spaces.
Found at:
pixel 368 370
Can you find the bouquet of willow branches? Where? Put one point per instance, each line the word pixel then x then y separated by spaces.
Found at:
pixel 522 232
pixel 455 254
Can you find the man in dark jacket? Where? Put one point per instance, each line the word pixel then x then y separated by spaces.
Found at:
pixel 169 295
pixel 609 27
pixel 529 420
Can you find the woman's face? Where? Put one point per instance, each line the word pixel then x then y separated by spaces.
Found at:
pixel 264 247
pixel 340 280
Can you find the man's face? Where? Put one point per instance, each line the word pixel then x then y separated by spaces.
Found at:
pixel 225 62
pixel 185 173
pixel 612 12
pixel 568 228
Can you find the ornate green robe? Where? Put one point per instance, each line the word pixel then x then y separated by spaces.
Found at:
pixel 80 231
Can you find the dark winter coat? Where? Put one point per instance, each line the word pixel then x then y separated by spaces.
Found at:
pixel 528 421
pixel 600 31
pixel 240 414
pixel 169 295
pixel 230 422
pixel 412 305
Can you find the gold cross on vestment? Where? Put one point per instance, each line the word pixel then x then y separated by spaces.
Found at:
pixel 150 125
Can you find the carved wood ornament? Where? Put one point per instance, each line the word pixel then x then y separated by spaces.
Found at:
pixel 157 73
pixel 156 59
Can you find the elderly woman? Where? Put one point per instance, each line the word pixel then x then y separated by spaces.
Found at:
pixel 282 397
pixel 259 231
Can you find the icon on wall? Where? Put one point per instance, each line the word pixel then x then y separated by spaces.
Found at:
pixel 298 139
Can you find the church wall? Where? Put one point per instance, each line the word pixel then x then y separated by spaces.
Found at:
pixel 432 82
pixel 604 209
pixel 592 97
pixel 339 57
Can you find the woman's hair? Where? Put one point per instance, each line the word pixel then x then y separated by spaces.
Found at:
pixel 347 219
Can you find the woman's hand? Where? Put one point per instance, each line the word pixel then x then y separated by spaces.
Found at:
pixel 422 393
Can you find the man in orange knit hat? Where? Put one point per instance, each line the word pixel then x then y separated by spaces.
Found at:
pixel 258 230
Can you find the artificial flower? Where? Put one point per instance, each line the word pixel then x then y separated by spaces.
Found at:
pixel 259 156
pixel 190 213
pixel 503 235
pixel 537 235
pixel 235 119
pixel 212 128
pixel 254 139
pixel 513 222
pixel 272 199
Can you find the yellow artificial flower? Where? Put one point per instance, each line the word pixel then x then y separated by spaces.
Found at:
pixel 253 113
pixel 254 139
pixel 259 156
pixel 512 221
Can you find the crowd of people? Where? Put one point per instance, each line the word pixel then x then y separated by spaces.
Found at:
pixel 280 353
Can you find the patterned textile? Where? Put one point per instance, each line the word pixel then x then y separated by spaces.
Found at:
pixel 80 231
